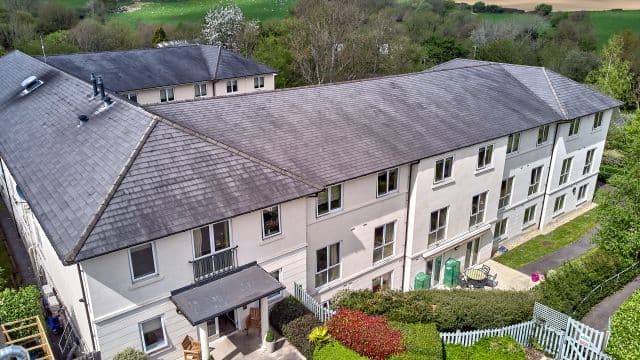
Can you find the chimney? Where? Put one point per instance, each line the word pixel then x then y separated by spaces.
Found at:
pixel 83 119
pixel 94 84
pixel 101 86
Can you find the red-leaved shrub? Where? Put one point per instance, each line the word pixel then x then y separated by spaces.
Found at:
pixel 367 335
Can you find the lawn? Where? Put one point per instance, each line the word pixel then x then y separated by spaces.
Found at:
pixel 611 22
pixel 543 245
pixel 193 11
pixel 73 3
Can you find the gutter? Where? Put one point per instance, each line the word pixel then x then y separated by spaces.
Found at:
pixel 10 202
pixel 85 301
pixel 547 186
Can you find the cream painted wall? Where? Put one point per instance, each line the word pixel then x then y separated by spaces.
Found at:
pixel 181 92
pixel 245 85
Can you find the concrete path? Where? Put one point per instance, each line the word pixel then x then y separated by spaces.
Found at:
pixel 560 256
pixel 16 248
pixel 508 278
pixel 599 315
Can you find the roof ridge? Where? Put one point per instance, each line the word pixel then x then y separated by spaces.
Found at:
pixel 125 51
pixel 555 95
pixel 71 256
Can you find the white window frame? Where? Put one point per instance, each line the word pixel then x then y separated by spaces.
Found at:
pixel 197 89
pixel 329 266
pixel 574 127
pixel 385 242
pixel 386 174
pixel 232 85
pixel 597 120
pixel 565 171
pixel 265 236
pixel 165 91
pixel 164 335
pixel 132 94
pixel 155 262
pixel 477 218
pixel 505 199
pixel 531 219
pixel 558 204
pixel 438 227
pixel 258 82
pixel 212 242
pixel 443 177
pixel 500 228
pixel 329 209
pixel 534 181
pixel 582 193
pixel 543 135
pixel 588 161
pixel 513 143
pixel 484 160
pixel 381 278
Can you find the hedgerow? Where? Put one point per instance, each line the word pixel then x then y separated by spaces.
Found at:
pixel 625 330
pixel 490 348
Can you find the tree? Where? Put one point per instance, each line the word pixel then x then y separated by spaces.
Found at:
pixel 506 51
pixel 614 76
pixel 19 26
pixel 131 354
pixel 159 36
pixel 544 9
pixel 58 42
pixel 478 7
pixel 221 26
pixel 439 50
pixel 53 17
pixel 577 64
pixel 619 213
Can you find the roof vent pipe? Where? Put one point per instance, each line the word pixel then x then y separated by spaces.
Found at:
pixel 94 83
pixel 101 87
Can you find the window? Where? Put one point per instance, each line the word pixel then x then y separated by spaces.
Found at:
pixel 166 94
pixel 478 204
pixel 329 199
pixel 271 221
pixel 200 89
pixel 143 261
pixel 513 143
pixel 382 282
pixel 534 183
pixel 383 240
pixel 574 127
pixel 276 275
pixel 582 192
pixel 132 96
pixel 444 169
pixel 203 243
pixel 543 134
pixel 438 225
pixel 558 205
pixel 500 229
pixel 484 156
pixel 327 264
pixel 433 268
pixel 258 82
pixel 588 161
pixel 564 172
pixel 232 86
pixel 387 181
pixel 529 214
pixel 597 121
pixel 153 334
pixel 505 192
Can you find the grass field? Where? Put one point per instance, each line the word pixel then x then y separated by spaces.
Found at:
pixel 193 11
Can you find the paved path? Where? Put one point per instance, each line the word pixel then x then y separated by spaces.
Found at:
pixel 16 248
pixel 599 315
pixel 560 256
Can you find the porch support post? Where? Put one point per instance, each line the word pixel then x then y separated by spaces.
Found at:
pixel 264 319
pixel 204 341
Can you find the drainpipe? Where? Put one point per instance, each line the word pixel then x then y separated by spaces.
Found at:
pixel 85 301
pixel 547 186
pixel 406 231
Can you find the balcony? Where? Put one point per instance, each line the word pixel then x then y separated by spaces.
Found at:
pixel 214 264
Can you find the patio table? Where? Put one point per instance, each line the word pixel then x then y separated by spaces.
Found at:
pixel 475 274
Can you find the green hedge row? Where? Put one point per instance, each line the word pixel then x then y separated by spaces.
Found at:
pixel 494 348
pixel 625 330
pixel 334 351
pixel 422 341
pixel 294 322
pixel 566 286
pixel 449 310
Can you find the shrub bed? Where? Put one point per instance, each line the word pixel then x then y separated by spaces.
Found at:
pixel 449 310
pixel 131 354
pixel 334 350
pixel 422 341
pixel 370 336
pixel 294 322
pixel 16 304
pixel 566 286
pixel 490 348
pixel 625 330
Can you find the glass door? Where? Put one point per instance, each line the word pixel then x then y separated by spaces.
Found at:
pixel 434 266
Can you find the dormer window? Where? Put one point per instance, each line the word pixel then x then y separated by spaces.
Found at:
pixel 166 94
pixel 597 121
pixel 574 127
pixel 232 86
pixel 258 82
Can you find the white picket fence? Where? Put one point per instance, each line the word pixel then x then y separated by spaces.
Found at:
pixel 520 332
pixel 322 313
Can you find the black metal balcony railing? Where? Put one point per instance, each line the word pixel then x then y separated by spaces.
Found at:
pixel 214 264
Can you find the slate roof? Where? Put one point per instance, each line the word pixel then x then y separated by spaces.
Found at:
pixel 151 68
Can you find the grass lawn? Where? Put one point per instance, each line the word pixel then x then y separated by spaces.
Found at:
pixel 73 3
pixel 608 23
pixel 543 245
pixel 193 11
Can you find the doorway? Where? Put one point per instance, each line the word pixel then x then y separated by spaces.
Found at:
pixel 222 325
pixel 434 266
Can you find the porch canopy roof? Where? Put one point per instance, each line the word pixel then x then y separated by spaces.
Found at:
pixel 204 301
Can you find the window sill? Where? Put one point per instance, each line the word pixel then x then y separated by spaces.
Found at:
pixel 390 192
pixel 271 239
pixel 555 215
pixel 319 289
pixel 512 154
pixel 581 202
pixel 443 183
pixel 383 261
pixel 528 225
pixel 158 349
pixel 329 214
pixel 543 144
pixel 484 170
pixel 596 130
pixel 572 137
pixel 151 279
pixel 501 238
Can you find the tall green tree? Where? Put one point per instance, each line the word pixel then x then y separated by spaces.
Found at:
pixel 614 76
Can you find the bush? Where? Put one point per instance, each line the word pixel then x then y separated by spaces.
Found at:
pixel 625 331
pixel 421 341
pixel 334 350
pixel 449 310
pixel 490 348
pixel 285 311
pixel 131 354
pixel 298 330
pixel 370 336
pixel 16 304
pixel 568 285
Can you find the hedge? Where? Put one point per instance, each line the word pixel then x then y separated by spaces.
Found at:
pixel 285 311
pixel 490 348
pixel 294 322
pixel 566 286
pixel 16 304
pixel 449 310
pixel 334 350
pixel 624 343
pixel 131 354
pixel 421 341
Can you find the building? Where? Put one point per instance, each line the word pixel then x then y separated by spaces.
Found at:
pixel 167 74
pixel 175 219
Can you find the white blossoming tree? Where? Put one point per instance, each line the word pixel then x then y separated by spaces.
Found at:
pixel 222 25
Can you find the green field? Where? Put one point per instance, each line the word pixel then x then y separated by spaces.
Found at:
pixel 193 11
pixel 608 23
